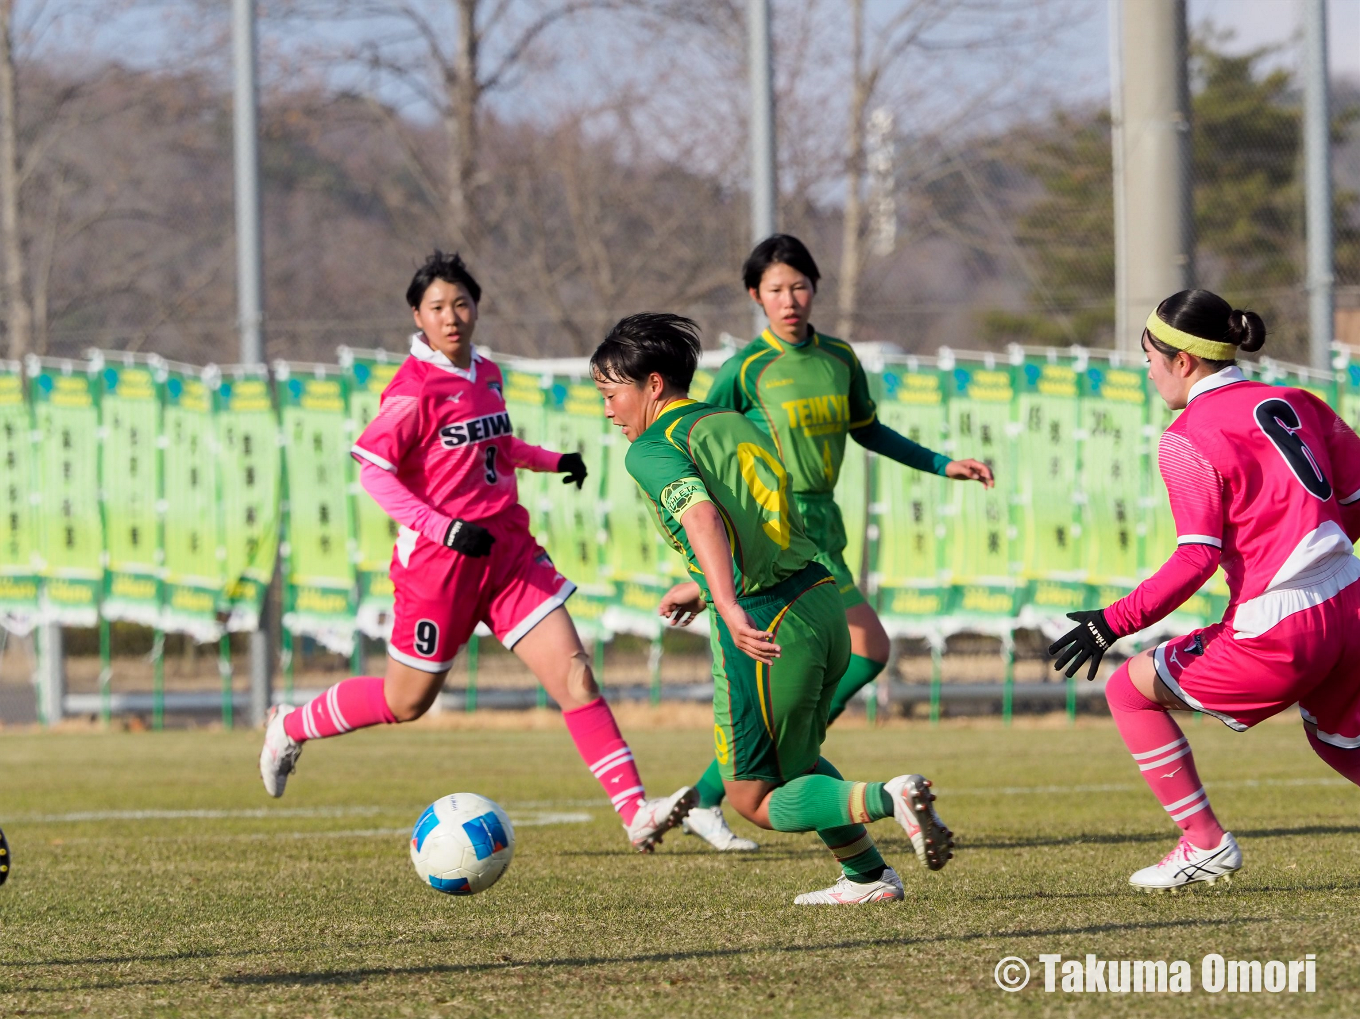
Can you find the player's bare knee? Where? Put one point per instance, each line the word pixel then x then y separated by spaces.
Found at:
pixel 408 711
pixel 581 685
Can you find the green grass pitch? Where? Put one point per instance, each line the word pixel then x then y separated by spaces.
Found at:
pixel 308 906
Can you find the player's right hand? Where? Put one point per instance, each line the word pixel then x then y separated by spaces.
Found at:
pixel 573 465
pixel 682 603
pixel 1087 641
pixel 468 538
pixel 756 643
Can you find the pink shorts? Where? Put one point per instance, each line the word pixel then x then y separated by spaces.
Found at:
pixel 441 595
pixel 1310 658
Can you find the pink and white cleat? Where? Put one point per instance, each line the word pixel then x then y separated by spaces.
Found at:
pixel 888 888
pixel 278 756
pixel 656 817
pixel 1188 865
pixel 912 807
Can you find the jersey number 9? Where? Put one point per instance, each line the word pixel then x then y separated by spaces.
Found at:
pixel 774 501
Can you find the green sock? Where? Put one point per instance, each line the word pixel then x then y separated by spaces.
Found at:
pixel 857 674
pixel 710 786
pixel 854 850
pixel 815 802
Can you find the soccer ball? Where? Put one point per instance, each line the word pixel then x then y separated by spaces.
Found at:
pixel 462 844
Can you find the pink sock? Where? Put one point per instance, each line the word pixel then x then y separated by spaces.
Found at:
pixel 351 704
pixel 607 755
pixel 1162 754
pixel 1345 762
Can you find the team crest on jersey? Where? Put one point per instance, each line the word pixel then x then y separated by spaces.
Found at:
pixel 1196 646
pixel 496 388
pixel 461 433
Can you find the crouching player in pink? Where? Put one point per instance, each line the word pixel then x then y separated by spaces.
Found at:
pixel 1264 481
pixel 440 458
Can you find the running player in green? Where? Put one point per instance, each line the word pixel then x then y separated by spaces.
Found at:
pixel 807 392
pixel 720 497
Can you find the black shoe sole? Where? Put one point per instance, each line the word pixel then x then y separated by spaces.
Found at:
pixel 939 840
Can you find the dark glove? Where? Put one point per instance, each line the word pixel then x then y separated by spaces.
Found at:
pixel 468 538
pixel 574 467
pixel 1088 640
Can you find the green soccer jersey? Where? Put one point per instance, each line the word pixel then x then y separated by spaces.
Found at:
pixel 695 452
pixel 806 397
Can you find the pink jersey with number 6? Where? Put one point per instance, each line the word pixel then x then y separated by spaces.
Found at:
pixel 1268 478
pixel 446 434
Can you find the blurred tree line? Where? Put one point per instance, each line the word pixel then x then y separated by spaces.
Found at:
pixel 1248 201
pixel 394 126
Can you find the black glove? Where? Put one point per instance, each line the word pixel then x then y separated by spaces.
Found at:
pixel 1089 639
pixel 574 467
pixel 468 538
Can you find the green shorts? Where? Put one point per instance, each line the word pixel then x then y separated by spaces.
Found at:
pixel 769 722
pixel 823 524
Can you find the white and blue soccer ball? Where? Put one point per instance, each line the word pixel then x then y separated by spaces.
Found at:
pixel 462 844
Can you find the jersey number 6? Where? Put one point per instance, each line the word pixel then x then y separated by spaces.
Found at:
pixel 1281 424
pixel 774 501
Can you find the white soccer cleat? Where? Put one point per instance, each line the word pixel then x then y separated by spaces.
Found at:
pixel 709 824
pixel 845 892
pixel 912 807
pixel 279 755
pixel 1188 865
pixel 656 817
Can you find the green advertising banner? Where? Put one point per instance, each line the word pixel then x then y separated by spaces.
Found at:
pixel 574 422
pixel 1348 394
pixel 195 558
pixel 986 551
pixel 375 533
pixel 70 529
pixel 18 520
pixel 1114 404
pixel 249 466
pixel 1046 472
pixel 131 484
pixel 319 591
pixel 910 526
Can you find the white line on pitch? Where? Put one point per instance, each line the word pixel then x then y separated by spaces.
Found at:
pixel 529 818
pixel 1051 790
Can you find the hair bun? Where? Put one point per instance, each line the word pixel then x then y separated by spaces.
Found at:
pixel 1246 331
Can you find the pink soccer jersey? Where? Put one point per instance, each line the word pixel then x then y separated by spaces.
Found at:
pixel 446 435
pixel 1271 477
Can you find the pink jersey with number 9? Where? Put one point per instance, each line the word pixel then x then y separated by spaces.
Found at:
pixel 446 434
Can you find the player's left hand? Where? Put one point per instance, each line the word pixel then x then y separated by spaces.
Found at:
pixel 682 603
pixel 970 470
pixel 573 465
pixel 1087 641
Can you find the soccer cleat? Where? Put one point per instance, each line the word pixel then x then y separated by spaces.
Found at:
pixel 709 824
pixel 1188 865
pixel 5 858
pixel 912 806
pixel 656 817
pixel 279 755
pixel 845 892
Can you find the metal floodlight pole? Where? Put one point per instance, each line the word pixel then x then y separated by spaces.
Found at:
pixel 1155 257
pixel 761 68
pixel 250 276
pixel 1115 13
pixel 1318 183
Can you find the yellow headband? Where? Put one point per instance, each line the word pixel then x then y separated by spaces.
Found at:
pixel 1197 345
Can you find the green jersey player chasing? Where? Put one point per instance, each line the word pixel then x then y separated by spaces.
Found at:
pixel 807 392
pixel 720 497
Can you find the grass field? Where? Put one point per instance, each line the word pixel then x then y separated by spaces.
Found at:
pixel 309 907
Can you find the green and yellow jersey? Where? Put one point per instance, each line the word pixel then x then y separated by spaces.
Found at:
pixel 695 452
pixel 807 397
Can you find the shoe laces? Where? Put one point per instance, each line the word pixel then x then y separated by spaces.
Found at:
pixel 1181 851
